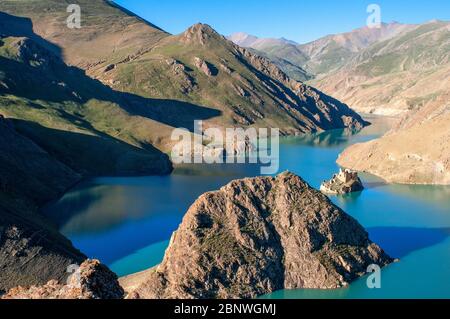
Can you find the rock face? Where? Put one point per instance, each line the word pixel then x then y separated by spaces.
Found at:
pixel 345 182
pixel 416 151
pixel 91 281
pixel 204 66
pixel 259 235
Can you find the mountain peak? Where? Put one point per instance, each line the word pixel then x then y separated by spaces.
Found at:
pixel 202 27
pixel 250 41
pixel 199 33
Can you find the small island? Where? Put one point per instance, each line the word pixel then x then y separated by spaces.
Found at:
pixel 345 182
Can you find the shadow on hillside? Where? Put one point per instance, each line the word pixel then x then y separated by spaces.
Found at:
pixel 92 155
pixel 282 92
pixel 399 242
pixel 13 26
pixel 48 78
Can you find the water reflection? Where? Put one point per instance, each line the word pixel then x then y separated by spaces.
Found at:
pixel 422 272
pixel 432 194
pixel 97 208
pixel 401 242
pixel 324 139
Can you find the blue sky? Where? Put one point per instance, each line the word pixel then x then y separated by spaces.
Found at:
pixel 299 20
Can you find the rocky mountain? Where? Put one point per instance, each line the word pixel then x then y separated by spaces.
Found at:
pixel 243 39
pixel 284 53
pixel 416 151
pixel 332 52
pixel 324 55
pixel 92 280
pixel 258 235
pixel 250 41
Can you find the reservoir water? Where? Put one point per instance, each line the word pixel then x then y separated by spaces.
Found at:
pixel 127 222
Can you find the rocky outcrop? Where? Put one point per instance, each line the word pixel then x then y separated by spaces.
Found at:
pixel 416 151
pixel 91 280
pixel 345 182
pixel 204 66
pixel 186 81
pixel 31 253
pixel 258 235
pixel 200 34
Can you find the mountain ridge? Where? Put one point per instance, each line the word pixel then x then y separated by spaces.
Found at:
pixel 364 67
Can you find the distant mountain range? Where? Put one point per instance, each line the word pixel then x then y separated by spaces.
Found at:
pixel 284 53
pixel 325 54
pixel 387 70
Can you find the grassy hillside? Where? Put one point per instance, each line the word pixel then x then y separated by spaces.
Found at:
pixel 73 117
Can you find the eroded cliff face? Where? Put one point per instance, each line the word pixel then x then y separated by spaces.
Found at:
pixel 258 235
pixel 415 151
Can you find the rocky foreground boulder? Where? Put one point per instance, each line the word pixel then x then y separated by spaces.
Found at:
pixel 255 236
pixel 92 280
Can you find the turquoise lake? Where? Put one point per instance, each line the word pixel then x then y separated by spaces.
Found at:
pixel 127 222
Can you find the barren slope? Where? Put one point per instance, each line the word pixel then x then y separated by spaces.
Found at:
pixel 397 75
pixel 417 151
